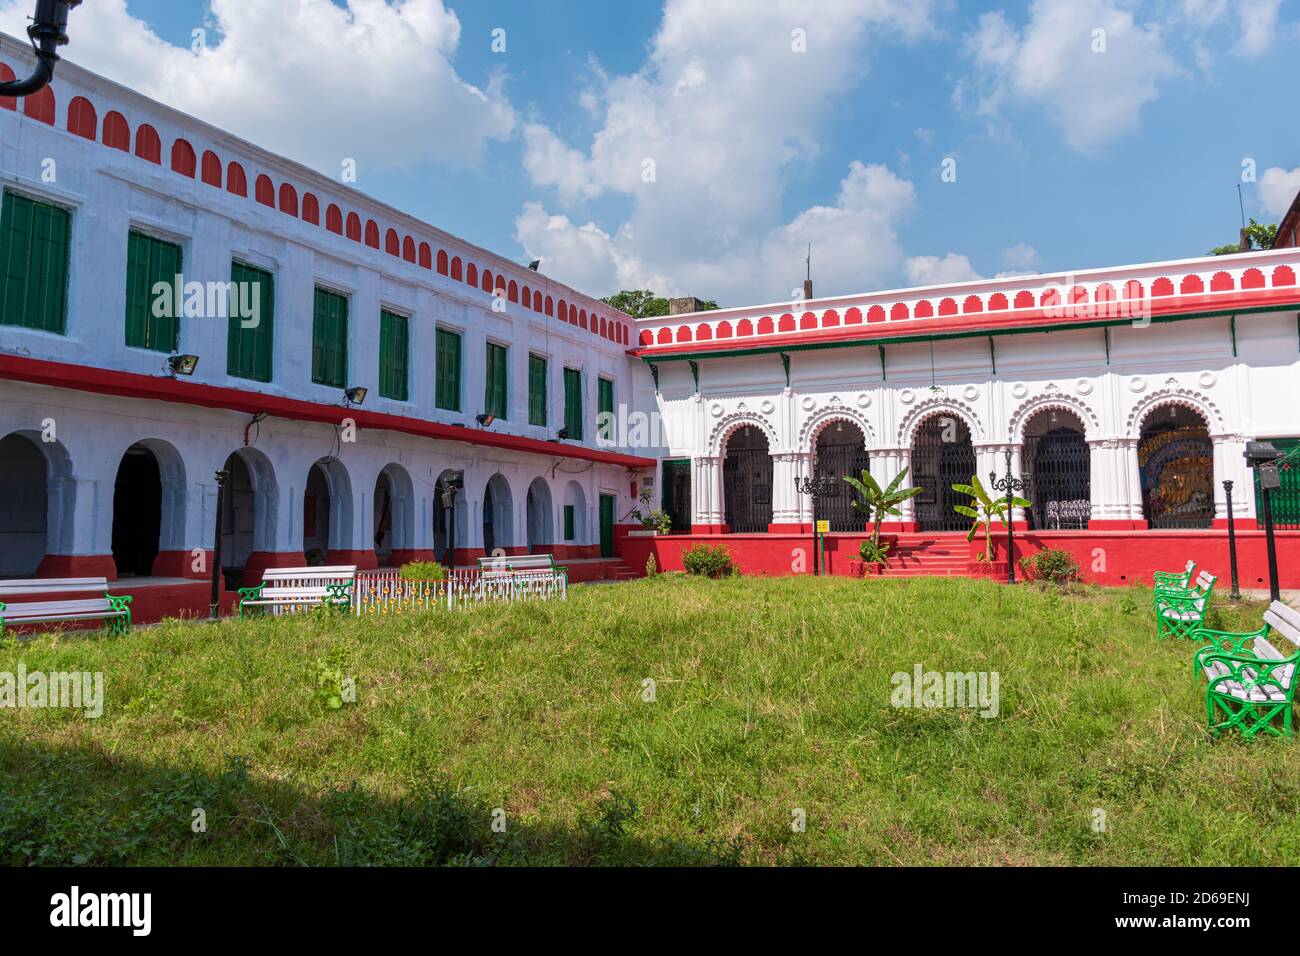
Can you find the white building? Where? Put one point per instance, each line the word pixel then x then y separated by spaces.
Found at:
pixel 107 458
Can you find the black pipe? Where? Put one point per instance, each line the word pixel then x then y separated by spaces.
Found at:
pixel 48 32
pixel 214 605
pixel 1232 540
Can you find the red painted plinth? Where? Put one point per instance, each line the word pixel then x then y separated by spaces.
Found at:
pixel 364 560
pixel 259 561
pixel 78 566
pixel 180 564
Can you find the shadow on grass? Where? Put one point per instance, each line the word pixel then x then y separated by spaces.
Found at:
pixel 62 807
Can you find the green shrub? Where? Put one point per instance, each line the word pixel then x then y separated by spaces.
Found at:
pixel 1052 565
pixel 709 562
pixel 874 552
pixel 423 571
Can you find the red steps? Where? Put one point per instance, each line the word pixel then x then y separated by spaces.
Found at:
pixel 926 556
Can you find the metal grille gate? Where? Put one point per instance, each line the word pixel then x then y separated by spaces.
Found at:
pixel 1061 488
pixel 747 482
pixel 1177 466
pixel 1285 500
pixel 942 456
pixel 841 451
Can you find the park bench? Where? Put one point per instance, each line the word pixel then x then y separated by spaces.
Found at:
pixel 113 610
pixel 1174 579
pixel 523 570
pixel 292 590
pixel 1249 687
pixel 1180 611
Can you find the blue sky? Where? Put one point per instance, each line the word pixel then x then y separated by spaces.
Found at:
pixel 1067 155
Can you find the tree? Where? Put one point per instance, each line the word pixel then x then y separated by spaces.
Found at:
pixel 644 304
pixel 1259 235
pixel 982 510
pixel 876 502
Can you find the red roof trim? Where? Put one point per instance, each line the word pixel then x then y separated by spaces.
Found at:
pixel 1024 319
pixel 102 381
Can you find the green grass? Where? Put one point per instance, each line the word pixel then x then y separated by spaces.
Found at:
pixel 771 695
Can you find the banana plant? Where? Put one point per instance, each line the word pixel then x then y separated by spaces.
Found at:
pixel 982 510
pixel 875 502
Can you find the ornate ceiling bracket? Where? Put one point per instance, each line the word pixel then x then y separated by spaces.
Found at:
pixel 883 375
pixel 695 374
pixel 785 364
pixel 654 374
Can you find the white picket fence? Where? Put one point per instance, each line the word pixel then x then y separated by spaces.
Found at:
pixel 386 592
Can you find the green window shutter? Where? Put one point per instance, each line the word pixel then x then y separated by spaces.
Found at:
pixel 248 350
pixel 33 263
pixel 329 349
pixel 536 390
pixel 605 407
pixel 495 398
pixel 573 403
pixel 149 262
pixel 448 370
pixel 393 352
pixel 568 522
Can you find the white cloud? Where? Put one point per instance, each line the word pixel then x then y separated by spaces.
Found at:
pixel 309 79
pixel 1021 258
pixel 1258 25
pixel 932 270
pixel 1092 85
pixel 1277 190
pixel 722 108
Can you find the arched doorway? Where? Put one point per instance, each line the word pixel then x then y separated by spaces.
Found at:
pixel 24 507
pixel 540 517
pixel 747 481
pixel 498 530
pixel 316 516
pixel 841 452
pixel 238 520
pixel 942 455
pixel 575 515
pixel 393 514
pixel 1059 462
pixel 137 512
pixel 1176 464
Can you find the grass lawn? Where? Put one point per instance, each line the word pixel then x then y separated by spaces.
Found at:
pixel 771 695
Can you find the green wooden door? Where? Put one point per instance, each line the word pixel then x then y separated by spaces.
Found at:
pixel 606 526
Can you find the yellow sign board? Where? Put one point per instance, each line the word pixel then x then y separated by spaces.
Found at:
pixel 823 527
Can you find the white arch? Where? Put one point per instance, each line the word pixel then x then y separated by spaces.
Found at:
pixel 938 406
pixel 730 424
pixel 1027 409
pixel 1173 395
pixel 503 509
pixel 540 512
pixel 817 422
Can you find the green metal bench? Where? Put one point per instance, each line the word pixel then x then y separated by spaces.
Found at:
pixel 113 609
pixel 1172 579
pixel 1180 611
pixel 1248 688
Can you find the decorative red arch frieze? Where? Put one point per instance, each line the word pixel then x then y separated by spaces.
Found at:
pixel 853 316
pixel 1283 276
pixel 117 132
pixel 456 268
pixel 372 234
pixel 392 242
pixel 310 209
pixel 210 169
pixel 288 200
pixel 83 121
pixel 334 219
pixel 7 76
pixel 354 227
pixel 236 180
pixel 426 256
pixel 1191 285
pixel 972 304
pixel 41 106
pixel 184 160
pixel 924 309
pixel 1252 279
pixel 264 190
pixel 1222 282
pixel 148 144
pixel 998 302
pixel 408 248
pixel 830 319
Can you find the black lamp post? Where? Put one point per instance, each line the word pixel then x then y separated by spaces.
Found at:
pixel 818 486
pixel 1263 457
pixel 48 32
pixel 1232 540
pixel 453 485
pixel 1011 485
pixel 214 607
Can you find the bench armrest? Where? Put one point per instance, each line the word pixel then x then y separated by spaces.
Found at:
pixel 1250 672
pixel 118 602
pixel 1221 642
pixel 251 594
pixel 339 593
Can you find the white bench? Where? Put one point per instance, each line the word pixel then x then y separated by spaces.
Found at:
pixel 292 590
pixel 524 574
pixel 113 610
pixel 1249 687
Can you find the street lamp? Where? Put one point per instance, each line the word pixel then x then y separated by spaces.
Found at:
pixel 1232 540
pixel 818 486
pixel 1263 457
pixel 214 607
pixel 1011 485
pixel 452 485
pixel 48 32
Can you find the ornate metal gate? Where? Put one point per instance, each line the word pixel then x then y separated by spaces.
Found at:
pixel 942 456
pixel 1061 471
pixel 1177 467
pixel 676 496
pixel 1285 500
pixel 841 451
pixel 747 481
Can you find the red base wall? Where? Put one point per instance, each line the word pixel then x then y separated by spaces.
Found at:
pixel 1113 557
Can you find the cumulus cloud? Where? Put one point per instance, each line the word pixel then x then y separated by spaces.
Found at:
pixel 732 95
pixel 933 270
pixel 1277 190
pixel 310 79
pixel 1088 64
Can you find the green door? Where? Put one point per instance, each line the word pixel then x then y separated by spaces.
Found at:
pixel 606 526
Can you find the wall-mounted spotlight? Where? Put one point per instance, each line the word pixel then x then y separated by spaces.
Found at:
pixel 535 264
pixel 48 32
pixel 355 395
pixel 183 364
pixel 485 419
pixel 562 434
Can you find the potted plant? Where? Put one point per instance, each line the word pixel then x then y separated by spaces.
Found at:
pixel 875 502
pixel 652 522
pixel 982 510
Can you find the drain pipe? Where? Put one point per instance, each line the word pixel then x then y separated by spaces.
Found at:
pixel 48 32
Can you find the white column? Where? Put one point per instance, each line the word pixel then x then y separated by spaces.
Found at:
pixel 1131 485
pixel 706 491
pixel 1230 463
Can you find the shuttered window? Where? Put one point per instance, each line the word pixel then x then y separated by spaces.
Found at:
pixel 250 332
pixel 329 348
pixel 495 399
pixel 573 403
pixel 568 522
pixel 151 261
pixel 605 408
pixel 536 390
pixel 394 343
pixel 448 370
pixel 33 264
